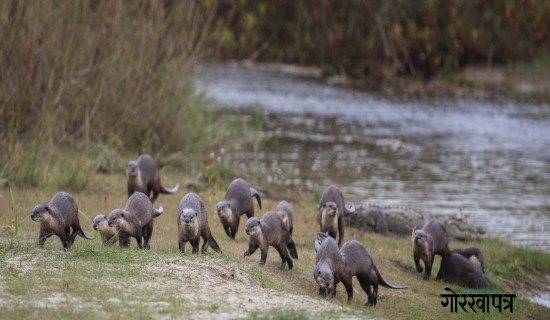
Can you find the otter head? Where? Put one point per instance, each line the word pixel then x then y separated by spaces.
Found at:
pixel 132 169
pixel 117 219
pixel 253 226
pixel 324 277
pixel 224 210
pixel 322 236
pixel 39 212
pixel 100 222
pixel 420 237
pixel 188 218
pixel 329 208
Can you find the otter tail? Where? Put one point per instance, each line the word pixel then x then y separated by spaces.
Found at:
pixel 175 189
pixel 384 283
pixel 83 235
pixel 212 243
pixel 256 195
pixel 292 249
pixel 158 212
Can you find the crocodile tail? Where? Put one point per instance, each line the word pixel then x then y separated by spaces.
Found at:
pixel 384 283
pixel 256 195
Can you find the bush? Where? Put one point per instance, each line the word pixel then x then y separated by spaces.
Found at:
pixel 384 37
pixel 84 73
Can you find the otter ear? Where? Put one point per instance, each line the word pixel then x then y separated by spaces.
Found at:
pixel 47 208
pixel 122 214
pixel 196 214
pixel 229 205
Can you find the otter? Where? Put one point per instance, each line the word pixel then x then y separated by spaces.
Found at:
pixel 108 234
pixel 352 260
pixel 284 209
pixel 143 176
pixel 135 220
pixel 193 224
pixel 357 262
pixel 332 212
pixel 270 231
pixel 58 217
pixel 237 201
pixel 474 255
pixel 455 268
pixel 327 264
pixel 430 240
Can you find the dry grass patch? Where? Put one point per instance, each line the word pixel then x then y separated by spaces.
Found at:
pixel 110 282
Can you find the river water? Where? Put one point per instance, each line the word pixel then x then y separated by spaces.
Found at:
pixel 486 160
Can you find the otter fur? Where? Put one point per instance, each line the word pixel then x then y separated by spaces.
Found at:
pixel 474 255
pixel 341 265
pixel 143 176
pixel 270 230
pixel 108 234
pixel 135 220
pixel 57 218
pixel 237 201
pixel 357 262
pixel 319 238
pixel 327 265
pixel 193 224
pixel 432 239
pixel 285 211
pixel 455 268
pixel 332 211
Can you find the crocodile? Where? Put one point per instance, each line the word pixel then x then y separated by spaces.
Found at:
pixel 387 219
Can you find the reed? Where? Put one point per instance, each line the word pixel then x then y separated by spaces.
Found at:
pixel 82 76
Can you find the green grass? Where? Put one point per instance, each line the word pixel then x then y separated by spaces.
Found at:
pixel 103 281
pixel 14 228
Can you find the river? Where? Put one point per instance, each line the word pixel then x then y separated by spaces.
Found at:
pixel 488 161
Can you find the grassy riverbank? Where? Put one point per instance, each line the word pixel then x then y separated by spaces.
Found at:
pixel 93 281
